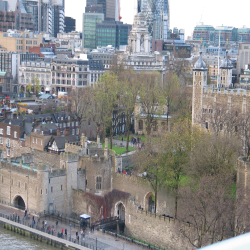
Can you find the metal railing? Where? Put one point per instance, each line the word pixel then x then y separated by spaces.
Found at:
pixel 52 230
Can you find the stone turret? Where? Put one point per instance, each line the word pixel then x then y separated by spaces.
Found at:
pixel 199 81
pixel 226 71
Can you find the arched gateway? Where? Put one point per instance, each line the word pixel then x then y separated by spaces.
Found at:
pixel 19 202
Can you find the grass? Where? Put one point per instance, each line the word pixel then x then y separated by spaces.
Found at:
pixel 119 150
pixel 142 137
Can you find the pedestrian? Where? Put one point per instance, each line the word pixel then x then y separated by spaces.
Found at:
pixel 34 222
pixel 33 218
pixel 45 223
pixel 56 222
pixel 25 212
pixel 62 230
pixel 66 231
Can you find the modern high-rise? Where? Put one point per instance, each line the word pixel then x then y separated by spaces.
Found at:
pixel 90 20
pixel 157 15
pixel 108 6
pixel 112 33
pixel 69 24
pixel 47 15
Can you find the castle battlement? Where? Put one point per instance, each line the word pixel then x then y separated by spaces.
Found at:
pixel 19 168
pixel 42 167
pixel 221 91
pixel 69 157
pixel 57 172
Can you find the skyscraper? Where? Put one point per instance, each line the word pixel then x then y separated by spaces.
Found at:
pixel 108 6
pixel 157 14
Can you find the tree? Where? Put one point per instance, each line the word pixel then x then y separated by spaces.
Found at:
pixel 130 87
pixel 209 203
pixel 81 103
pixel 151 99
pixel 106 103
pixel 37 86
pixel 147 162
pixel 172 91
pixel 175 155
pixel 29 87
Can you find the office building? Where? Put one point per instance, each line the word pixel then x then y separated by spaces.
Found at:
pixel 204 33
pixel 69 24
pixel 112 33
pixel 109 8
pixel 157 16
pixel 18 19
pixel 90 20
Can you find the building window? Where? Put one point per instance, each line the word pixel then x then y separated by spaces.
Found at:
pixel 8 130
pixel 51 189
pixel 33 140
pixel 77 131
pixel 73 131
pixel 61 187
pixel 8 152
pixel 99 182
pixel 41 142
pixel 1 131
pixel 7 142
pixel 1 140
pixel 15 134
pixel 41 191
pixel 21 144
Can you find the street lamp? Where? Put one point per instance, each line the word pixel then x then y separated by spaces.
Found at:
pixel 102 218
pixel 70 232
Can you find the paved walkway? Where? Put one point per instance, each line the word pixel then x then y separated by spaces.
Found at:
pixel 49 236
pixel 104 241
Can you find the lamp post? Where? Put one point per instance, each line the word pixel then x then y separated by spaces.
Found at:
pixel 102 218
pixel 70 232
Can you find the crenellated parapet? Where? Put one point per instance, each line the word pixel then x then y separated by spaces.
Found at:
pixel 69 157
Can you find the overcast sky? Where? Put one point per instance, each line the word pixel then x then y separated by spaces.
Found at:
pixel 184 14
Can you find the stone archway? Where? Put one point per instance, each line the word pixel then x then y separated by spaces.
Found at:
pixel 120 210
pixel 150 202
pixel 19 202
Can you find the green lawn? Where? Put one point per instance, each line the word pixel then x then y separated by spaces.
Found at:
pixel 143 137
pixel 119 150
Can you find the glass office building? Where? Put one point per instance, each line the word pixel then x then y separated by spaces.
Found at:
pixel 112 33
pixel 90 20
pixel 157 14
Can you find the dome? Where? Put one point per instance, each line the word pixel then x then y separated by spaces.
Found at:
pixel 226 63
pixel 200 64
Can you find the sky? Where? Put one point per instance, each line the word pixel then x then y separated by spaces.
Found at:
pixel 184 14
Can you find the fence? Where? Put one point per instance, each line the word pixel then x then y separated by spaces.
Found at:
pixel 52 231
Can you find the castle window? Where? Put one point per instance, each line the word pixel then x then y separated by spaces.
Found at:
pixel 236 113
pixel 51 189
pixel 206 125
pixel 200 73
pixel 41 191
pixel 221 126
pixel 49 180
pixel 195 73
pixel 99 182
pixel 236 129
pixel 200 83
pixel 61 187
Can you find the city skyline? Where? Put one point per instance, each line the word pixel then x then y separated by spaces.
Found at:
pixel 183 14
